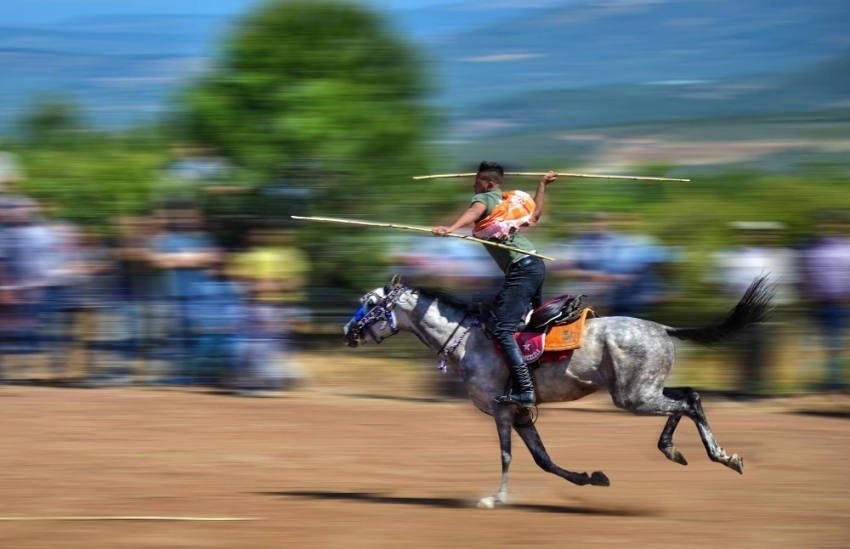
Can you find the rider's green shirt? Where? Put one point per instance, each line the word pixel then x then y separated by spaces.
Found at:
pixel 503 258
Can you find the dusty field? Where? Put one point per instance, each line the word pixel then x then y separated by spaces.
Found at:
pixel 335 465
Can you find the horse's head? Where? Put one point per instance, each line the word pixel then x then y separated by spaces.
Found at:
pixel 375 317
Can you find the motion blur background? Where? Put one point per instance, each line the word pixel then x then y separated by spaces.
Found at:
pixel 153 153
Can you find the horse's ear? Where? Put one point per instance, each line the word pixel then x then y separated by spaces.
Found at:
pixel 395 282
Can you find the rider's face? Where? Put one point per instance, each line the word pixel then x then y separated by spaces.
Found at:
pixel 481 184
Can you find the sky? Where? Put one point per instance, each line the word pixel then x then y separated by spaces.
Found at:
pixel 57 11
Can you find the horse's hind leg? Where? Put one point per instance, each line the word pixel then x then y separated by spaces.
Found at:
pixel 504 416
pixel 665 442
pixel 676 402
pixel 528 432
pixel 715 452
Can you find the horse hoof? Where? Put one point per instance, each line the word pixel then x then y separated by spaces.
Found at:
pixel 673 454
pixel 736 463
pixel 598 478
pixel 486 503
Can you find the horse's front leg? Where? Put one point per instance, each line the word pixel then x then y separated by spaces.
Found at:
pixel 504 416
pixel 526 429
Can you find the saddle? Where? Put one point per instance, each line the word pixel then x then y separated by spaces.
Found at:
pixel 554 330
pixel 556 312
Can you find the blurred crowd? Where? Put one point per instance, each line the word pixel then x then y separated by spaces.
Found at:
pixel 628 273
pixel 150 299
pixel 157 299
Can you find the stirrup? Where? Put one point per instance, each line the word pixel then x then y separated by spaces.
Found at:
pixel 525 399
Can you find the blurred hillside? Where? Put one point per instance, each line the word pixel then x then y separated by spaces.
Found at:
pixel 536 57
pixel 822 86
pixel 589 44
pixel 773 122
pixel 120 69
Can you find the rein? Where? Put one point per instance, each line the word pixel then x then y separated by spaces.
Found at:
pixel 446 350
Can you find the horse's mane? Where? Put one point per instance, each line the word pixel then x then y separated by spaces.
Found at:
pixel 441 294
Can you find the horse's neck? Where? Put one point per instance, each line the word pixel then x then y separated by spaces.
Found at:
pixel 433 322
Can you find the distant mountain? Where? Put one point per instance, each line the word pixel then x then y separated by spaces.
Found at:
pixel 123 68
pixel 822 86
pixel 189 35
pixel 593 43
pixel 119 68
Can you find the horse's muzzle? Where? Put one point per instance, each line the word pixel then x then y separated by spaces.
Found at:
pixel 349 337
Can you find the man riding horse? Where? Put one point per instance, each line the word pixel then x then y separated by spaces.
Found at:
pixel 498 217
pixel 629 357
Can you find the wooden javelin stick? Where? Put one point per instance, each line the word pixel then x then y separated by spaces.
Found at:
pixel 126 518
pixel 541 174
pixel 418 229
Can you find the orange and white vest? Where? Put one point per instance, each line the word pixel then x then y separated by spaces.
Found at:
pixel 514 211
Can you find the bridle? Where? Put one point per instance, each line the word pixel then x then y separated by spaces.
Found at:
pixel 365 320
pixel 382 311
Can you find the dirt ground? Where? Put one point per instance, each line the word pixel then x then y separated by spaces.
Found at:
pixel 337 464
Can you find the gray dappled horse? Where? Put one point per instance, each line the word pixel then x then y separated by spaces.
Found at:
pixel 629 357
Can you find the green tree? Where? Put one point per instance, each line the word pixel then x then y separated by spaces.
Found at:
pixel 325 88
pixel 93 182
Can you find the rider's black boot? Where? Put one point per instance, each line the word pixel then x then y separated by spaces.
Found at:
pixel 522 392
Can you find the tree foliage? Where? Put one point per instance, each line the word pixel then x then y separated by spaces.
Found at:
pixel 319 84
pixel 81 173
pixel 92 185
pixel 325 90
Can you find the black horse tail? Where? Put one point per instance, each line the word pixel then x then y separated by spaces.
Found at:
pixel 753 307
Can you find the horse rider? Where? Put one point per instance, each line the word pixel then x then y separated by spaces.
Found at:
pixel 498 217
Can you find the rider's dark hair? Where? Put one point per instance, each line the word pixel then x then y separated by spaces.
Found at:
pixel 491 171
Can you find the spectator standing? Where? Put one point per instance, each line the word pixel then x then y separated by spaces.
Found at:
pixel 60 301
pixel 639 267
pixel 759 250
pixel 96 294
pixel 184 253
pixel 826 264
pixel 590 262
pixel 217 316
pixel 28 254
pixel 138 288
pixel 274 270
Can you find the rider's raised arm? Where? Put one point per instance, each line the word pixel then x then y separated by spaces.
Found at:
pixel 540 195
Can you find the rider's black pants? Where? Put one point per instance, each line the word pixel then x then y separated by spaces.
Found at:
pixel 523 288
